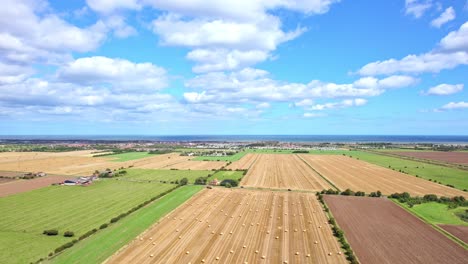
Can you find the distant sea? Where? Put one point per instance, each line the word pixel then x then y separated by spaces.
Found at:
pixel 250 138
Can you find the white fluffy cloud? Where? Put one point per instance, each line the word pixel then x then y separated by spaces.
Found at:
pixel 122 74
pixel 342 104
pixel 445 89
pixel 224 35
pixel 417 8
pixel 451 52
pixel 455 105
pixel 446 16
pixel 253 86
pixel 41 35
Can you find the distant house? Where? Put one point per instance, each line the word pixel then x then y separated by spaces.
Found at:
pixel 215 182
pixel 41 174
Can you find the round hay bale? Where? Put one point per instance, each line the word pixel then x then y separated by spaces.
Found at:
pixel 186 253
pixel 256 251
pixel 244 246
pixel 297 253
pixel 152 255
pixel 329 254
pixel 154 243
pixel 308 256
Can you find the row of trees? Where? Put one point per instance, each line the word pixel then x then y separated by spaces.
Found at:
pixel 453 202
pixel 349 192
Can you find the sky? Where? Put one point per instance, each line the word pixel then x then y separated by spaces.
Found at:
pixel 187 67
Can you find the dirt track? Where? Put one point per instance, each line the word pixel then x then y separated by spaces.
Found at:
pixel 238 226
pixel 283 171
pixel 460 232
pixel 359 175
pixel 450 157
pixel 20 186
pixel 379 231
pixel 244 163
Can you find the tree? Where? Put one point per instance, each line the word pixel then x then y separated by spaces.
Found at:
pixel 200 181
pixel 183 181
pixel 233 183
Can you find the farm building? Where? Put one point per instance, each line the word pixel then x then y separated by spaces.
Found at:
pixel 215 182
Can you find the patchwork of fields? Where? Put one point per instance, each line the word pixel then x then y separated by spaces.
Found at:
pixel 70 163
pixel 237 226
pixel 225 225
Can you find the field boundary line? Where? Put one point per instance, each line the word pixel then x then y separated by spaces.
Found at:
pixel 323 177
pixel 441 230
pixel 153 225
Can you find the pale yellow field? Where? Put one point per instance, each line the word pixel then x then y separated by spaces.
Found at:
pixel 239 226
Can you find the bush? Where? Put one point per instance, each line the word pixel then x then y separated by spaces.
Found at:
pixel 430 198
pixel 200 181
pixel 347 192
pixel 183 181
pixel 103 226
pixel 114 220
pixel 228 185
pixel 359 193
pixel 68 234
pixel 233 183
pixel 51 232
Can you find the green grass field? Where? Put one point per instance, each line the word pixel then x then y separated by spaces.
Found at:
pixel 129 156
pixel 100 246
pixel 437 213
pixel 74 208
pixel 446 175
pixel 234 157
pixel 164 175
pixel 222 175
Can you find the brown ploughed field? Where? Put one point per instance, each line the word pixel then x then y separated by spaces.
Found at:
pixel 283 171
pixel 244 163
pixel 461 232
pixel 449 157
pixel 357 175
pixel 380 231
pixel 20 186
pixel 238 226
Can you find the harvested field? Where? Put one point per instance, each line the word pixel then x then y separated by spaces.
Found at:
pixel 11 174
pixel 237 226
pixel 449 157
pixel 20 186
pixel 78 163
pixel 379 231
pixel 283 171
pixel 460 232
pixel 359 175
pixel 244 163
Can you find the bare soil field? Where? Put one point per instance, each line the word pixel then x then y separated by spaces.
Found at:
pixel 357 175
pixel 238 226
pixel 5 180
pixel 11 174
pixel 244 163
pixel 80 163
pixel 449 157
pixel 379 231
pixel 20 186
pixel 460 232
pixel 283 171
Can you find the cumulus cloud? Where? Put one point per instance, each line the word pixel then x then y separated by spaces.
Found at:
pixel 417 8
pixel 445 89
pixel 451 52
pixel 313 115
pixel 122 74
pixel 455 105
pixel 253 86
pixel 342 104
pixel 447 16
pixel 223 35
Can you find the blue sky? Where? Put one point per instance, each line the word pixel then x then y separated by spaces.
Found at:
pixel 234 67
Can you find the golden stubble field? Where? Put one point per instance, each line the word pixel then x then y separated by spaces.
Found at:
pixel 357 175
pixel 239 226
pixel 82 162
pixel 283 171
